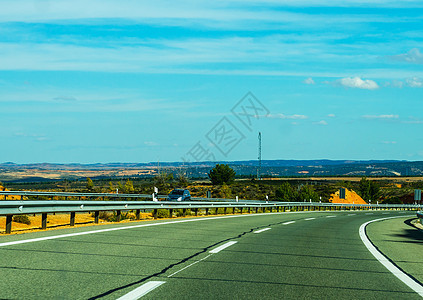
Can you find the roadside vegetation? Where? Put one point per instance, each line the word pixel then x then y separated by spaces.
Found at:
pixel 223 183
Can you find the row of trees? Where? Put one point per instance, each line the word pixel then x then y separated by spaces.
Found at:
pixel 287 193
pixel 126 188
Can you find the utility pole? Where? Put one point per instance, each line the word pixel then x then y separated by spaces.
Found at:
pixel 259 157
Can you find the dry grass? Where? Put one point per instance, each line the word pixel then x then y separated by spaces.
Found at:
pixel 57 221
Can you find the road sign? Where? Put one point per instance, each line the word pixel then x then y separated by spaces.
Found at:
pixel 341 193
pixel 417 195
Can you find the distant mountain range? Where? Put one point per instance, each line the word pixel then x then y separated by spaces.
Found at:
pixel 269 168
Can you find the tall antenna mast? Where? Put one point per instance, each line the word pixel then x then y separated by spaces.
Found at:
pixel 259 157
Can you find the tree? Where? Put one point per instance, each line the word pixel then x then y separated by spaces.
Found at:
pixel 182 179
pixel 369 190
pixel 111 187
pixel 90 184
pixel 307 192
pixel 129 186
pixel 120 187
pixel 221 174
pixel 286 193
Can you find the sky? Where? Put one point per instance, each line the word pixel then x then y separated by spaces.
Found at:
pixel 147 81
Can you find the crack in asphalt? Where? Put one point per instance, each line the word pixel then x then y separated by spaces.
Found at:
pixel 163 271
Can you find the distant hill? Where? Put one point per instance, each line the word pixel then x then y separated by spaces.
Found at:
pixel 10 171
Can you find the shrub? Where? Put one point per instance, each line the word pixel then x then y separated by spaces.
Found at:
pixel 112 216
pixel 162 213
pixel 21 219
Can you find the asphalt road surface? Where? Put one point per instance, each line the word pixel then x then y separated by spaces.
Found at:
pixel 315 255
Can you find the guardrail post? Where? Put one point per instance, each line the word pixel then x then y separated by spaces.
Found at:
pixel 96 216
pixel 256 209
pixel 196 212
pixel 44 220
pixel 233 211
pixel 224 210
pixel 184 212
pixel 118 215
pixel 207 211
pixel 170 213
pixel 249 209
pixel 72 218
pixel 240 210
pixel 138 214
pixel 9 219
pixel 155 214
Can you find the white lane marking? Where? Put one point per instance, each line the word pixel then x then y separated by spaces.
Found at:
pixel 351 214
pixel 220 248
pixel 330 216
pixel 287 223
pixel 142 290
pixel 369 214
pixel 262 230
pixel 143 225
pixel 196 262
pixel 126 227
pixel 308 219
pixel 415 286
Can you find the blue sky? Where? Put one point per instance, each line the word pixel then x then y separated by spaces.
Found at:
pixel 141 81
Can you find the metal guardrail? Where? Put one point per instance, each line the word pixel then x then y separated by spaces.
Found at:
pixel 128 202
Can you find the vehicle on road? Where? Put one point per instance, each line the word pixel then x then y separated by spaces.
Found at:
pixel 179 195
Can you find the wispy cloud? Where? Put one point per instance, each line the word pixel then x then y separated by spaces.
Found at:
pixel 322 122
pixel 380 117
pixel 414 82
pixel 284 117
pixel 358 83
pixel 331 115
pixel 309 81
pixel 413 56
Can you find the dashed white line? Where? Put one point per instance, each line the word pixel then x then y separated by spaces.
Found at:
pixel 220 248
pixel 330 216
pixel 308 219
pixel 196 262
pixel 287 223
pixel 262 230
pixel 369 214
pixel 351 214
pixel 414 285
pixel 142 290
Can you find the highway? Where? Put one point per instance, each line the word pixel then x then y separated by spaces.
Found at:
pixel 258 256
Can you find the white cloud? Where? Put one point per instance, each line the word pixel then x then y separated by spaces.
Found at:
pixel 150 144
pixel 282 116
pixel 389 142
pixel 414 82
pixel 309 81
pixel 331 115
pixel 358 83
pixel 322 122
pixel 380 117
pixel 413 56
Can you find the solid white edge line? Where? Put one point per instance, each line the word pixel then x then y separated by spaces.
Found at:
pixel 309 219
pixel 411 283
pixel 142 290
pixel 262 230
pixel 287 223
pixel 220 248
pixel 127 227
